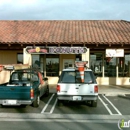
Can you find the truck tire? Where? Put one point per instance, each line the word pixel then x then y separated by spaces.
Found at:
pixel 94 103
pixel 47 92
pixel 1 105
pixel 23 106
pixel 59 102
pixel 36 102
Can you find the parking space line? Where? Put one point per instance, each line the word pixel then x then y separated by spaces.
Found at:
pixel 105 105
pixel 43 110
pixel 112 105
pixel 53 106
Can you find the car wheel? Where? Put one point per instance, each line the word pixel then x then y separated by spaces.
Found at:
pixel 36 102
pixel 94 103
pixel 23 106
pixel 47 91
pixel 1 105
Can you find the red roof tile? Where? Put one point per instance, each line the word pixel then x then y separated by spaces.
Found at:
pixel 65 31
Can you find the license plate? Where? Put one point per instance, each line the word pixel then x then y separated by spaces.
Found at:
pixel 77 98
pixel 10 102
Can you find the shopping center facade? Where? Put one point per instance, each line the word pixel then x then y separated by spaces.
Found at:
pixel 57 44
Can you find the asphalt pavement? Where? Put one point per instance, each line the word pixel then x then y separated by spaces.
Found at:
pixel 107 116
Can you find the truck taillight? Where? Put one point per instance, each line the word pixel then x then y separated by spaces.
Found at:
pixel 31 93
pixel 96 89
pixel 58 88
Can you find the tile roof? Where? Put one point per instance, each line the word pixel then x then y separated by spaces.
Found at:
pixel 65 31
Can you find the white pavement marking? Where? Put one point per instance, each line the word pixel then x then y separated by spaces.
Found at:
pixel 112 105
pixel 52 109
pixel 105 105
pixel 43 110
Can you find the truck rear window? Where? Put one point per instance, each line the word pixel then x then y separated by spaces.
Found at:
pixel 74 77
pixel 24 76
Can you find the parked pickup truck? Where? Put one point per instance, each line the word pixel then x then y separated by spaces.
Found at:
pixel 25 87
pixel 77 84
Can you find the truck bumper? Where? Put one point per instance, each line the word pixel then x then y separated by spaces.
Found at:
pixel 15 102
pixel 77 98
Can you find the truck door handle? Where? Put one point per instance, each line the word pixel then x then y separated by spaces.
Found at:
pixel 76 88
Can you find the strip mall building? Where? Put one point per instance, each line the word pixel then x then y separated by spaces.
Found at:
pixel 54 45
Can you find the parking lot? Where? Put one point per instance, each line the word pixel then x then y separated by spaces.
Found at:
pixel 109 103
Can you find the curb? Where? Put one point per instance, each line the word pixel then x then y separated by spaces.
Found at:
pixel 124 96
pixel 127 87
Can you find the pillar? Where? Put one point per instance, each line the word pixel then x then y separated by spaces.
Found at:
pixel 86 56
pixel 27 58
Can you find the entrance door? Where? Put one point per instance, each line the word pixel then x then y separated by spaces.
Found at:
pixel 68 63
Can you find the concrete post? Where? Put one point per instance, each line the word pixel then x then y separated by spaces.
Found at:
pixel 44 65
pixel 27 58
pixel 86 56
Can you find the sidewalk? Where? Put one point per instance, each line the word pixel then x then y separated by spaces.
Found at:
pixel 122 91
pixel 124 86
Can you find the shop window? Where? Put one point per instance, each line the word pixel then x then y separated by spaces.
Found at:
pixel 78 57
pixel 110 67
pixel 19 58
pixel 96 63
pixel 68 63
pixel 124 66
pixel 52 65
pixel 37 62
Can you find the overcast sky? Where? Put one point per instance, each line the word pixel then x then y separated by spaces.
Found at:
pixel 65 10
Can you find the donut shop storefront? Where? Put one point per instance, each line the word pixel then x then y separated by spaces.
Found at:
pixel 51 60
pixel 109 70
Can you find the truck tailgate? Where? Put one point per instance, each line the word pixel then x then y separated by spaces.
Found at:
pixel 15 92
pixel 76 89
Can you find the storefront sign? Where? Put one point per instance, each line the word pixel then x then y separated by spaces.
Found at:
pixel 114 52
pixel 56 50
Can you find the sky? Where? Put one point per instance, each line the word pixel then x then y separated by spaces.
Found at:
pixel 65 10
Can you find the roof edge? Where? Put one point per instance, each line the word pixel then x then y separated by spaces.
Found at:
pixel 125 21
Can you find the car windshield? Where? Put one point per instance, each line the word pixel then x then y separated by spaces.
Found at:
pixel 74 77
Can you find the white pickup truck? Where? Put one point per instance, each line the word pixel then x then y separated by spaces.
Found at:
pixel 71 88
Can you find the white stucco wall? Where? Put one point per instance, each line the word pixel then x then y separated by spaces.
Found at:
pixel 27 58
